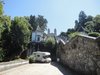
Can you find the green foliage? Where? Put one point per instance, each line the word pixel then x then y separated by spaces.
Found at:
pixel 73 35
pixel 20 33
pixel 50 43
pixel 1 54
pixel 32 21
pixel 69 31
pixel 89 18
pixel 51 47
pixel 63 34
pixel 1 30
pixel 35 21
pixel 85 24
pixel 42 22
pixel 1 8
pixel 89 26
pixel 31 59
pixel 15 35
pixel 79 25
pixel 97 23
pixel 15 39
pixel 94 34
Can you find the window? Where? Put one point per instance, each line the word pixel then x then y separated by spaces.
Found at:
pixel 38 39
pixel 47 56
pixel 38 55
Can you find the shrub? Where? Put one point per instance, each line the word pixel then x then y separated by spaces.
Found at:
pixel 51 47
pixel 73 35
pixel 94 34
pixel 50 43
pixel 32 59
pixel 1 54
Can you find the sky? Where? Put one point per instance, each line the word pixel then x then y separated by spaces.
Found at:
pixel 60 14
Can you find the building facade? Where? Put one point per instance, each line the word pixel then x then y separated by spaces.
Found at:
pixel 37 36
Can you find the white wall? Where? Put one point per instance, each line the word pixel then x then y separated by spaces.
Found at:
pixel 33 36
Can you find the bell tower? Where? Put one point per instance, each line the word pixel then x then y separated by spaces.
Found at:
pixel 55 32
pixel 48 31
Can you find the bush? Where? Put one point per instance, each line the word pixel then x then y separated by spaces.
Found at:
pixel 1 54
pixel 51 47
pixel 50 43
pixel 94 34
pixel 73 35
pixel 31 59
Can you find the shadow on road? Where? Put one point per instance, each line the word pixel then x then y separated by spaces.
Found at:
pixel 64 70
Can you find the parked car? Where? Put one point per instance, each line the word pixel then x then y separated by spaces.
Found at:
pixel 40 57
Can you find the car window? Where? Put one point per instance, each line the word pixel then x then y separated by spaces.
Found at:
pixel 38 55
pixel 46 56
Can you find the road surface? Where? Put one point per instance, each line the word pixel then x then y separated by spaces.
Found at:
pixel 38 69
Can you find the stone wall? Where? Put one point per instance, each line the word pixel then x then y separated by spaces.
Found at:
pixel 82 54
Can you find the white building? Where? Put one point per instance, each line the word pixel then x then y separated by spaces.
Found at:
pixel 37 36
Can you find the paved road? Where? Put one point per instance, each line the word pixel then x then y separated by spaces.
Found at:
pixel 38 69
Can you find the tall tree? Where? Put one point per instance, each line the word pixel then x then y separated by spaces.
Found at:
pixel 97 23
pixel 5 34
pixel 63 34
pixel 89 18
pixel 1 18
pixel 82 18
pixel 80 23
pixel 42 22
pixel 89 26
pixel 76 27
pixel 1 7
pixel 32 21
pixel 20 35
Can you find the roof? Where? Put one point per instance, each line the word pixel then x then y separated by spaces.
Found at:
pixel 39 29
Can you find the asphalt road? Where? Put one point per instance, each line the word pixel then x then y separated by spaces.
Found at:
pixel 38 69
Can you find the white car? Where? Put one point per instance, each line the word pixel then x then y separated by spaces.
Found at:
pixel 41 56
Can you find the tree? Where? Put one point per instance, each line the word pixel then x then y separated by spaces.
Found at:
pixel 35 21
pixel 1 7
pixel 94 34
pixel 42 22
pixel 6 31
pixel 32 21
pixel 89 26
pixel 50 44
pixel 82 18
pixel 63 34
pixel 97 23
pixel 5 23
pixel 80 24
pixel 89 18
pixel 1 30
pixel 71 30
pixel 20 35
pixel 76 27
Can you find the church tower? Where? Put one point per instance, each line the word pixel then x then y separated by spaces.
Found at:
pixel 55 32
pixel 48 31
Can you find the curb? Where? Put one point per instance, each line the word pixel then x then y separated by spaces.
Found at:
pixel 9 66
